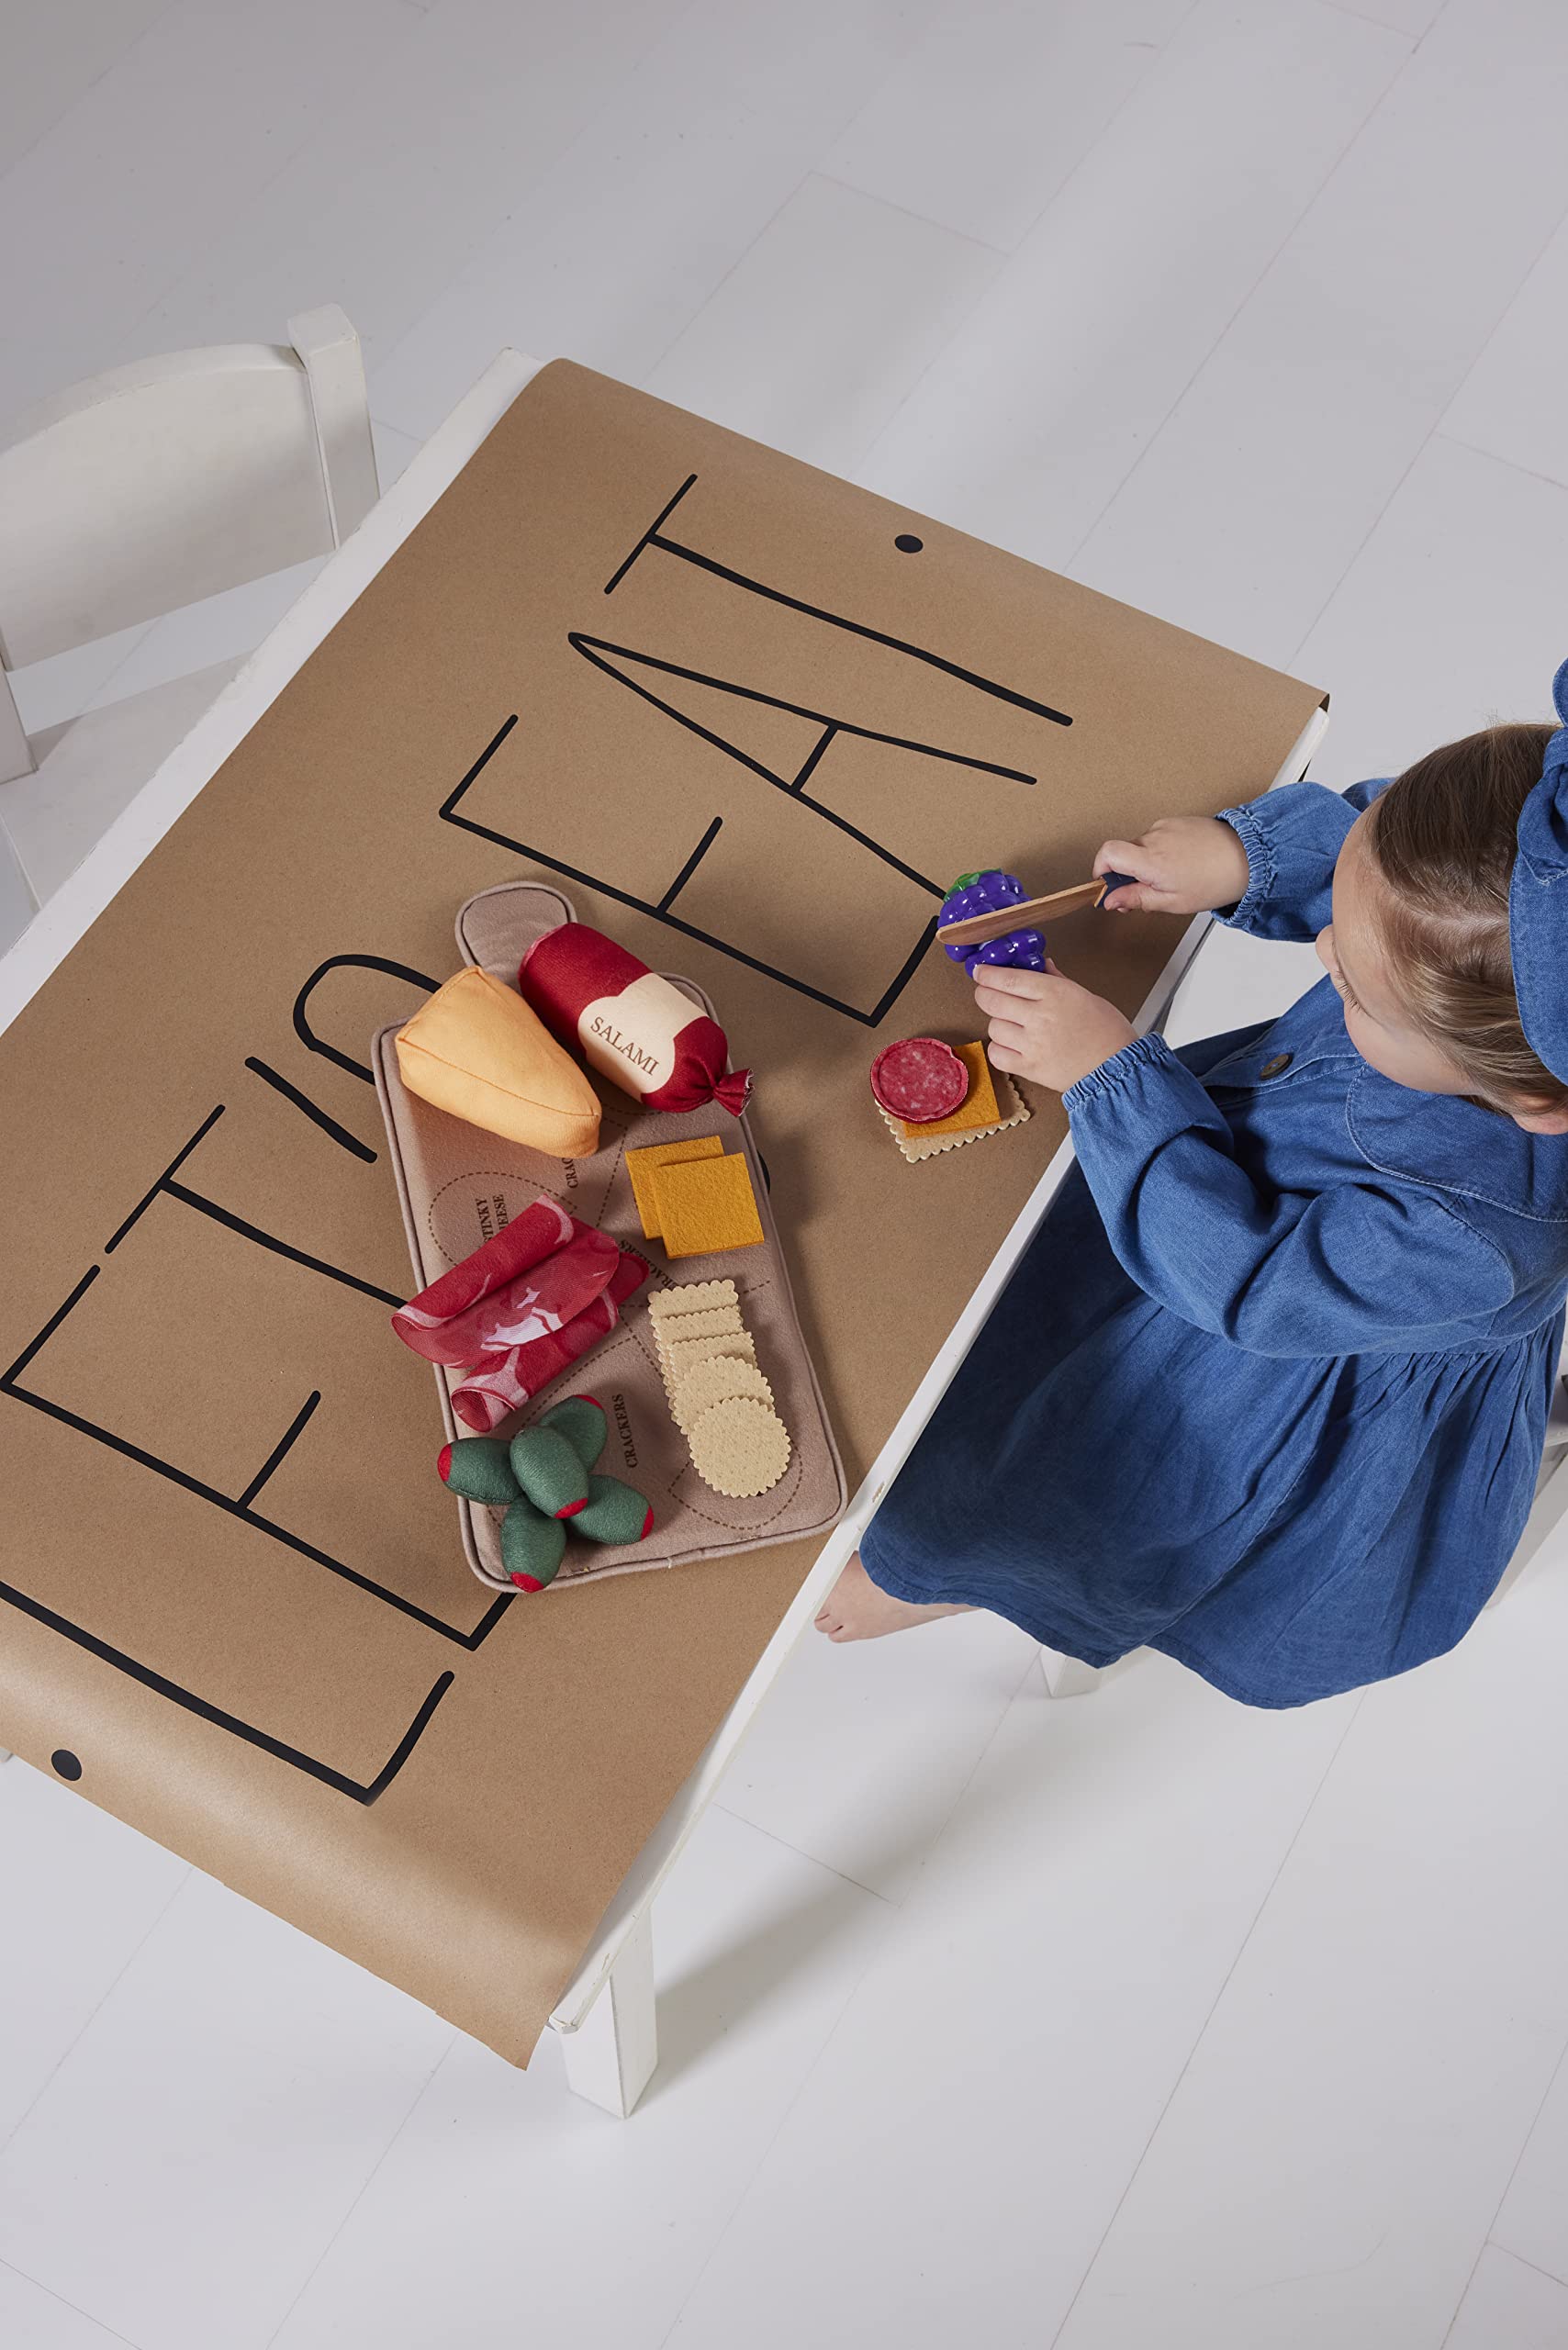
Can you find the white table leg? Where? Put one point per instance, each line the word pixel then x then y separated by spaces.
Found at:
pixel 1066 1677
pixel 611 2056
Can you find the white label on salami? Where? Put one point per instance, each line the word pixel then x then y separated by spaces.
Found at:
pixel 630 1037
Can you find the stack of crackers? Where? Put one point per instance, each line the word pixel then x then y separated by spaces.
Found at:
pixel 991 1104
pixel 721 1403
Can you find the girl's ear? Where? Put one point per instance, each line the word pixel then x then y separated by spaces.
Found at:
pixel 1542 1121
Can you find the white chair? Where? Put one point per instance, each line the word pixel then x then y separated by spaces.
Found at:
pixel 128 496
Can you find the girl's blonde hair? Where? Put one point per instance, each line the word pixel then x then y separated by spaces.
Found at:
pixel 1442 836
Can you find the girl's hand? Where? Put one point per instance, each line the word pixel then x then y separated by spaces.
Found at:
pixel 1183 865
pixel 1047 1028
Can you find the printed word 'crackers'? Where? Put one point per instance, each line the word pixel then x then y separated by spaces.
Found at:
pixel 705 1205
pixel 708 1362
pixel 643 1164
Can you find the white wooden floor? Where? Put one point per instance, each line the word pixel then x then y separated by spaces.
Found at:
pixel 1131 2023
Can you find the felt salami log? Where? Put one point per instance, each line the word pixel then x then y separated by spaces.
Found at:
pixel 628 1023
pixel 919 1079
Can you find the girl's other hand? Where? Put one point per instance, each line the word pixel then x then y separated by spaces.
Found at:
pixel 1046 1027
pixel 1182 865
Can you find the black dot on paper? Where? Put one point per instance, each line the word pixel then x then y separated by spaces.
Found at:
pixel 907 543
pixel 65 1763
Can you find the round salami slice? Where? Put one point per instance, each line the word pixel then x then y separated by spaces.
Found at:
pixel 919 1079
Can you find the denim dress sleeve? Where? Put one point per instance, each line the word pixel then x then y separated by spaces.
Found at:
pixel 1353 1268
pixel 1291 837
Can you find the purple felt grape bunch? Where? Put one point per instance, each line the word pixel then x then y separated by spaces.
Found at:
pixel 990 893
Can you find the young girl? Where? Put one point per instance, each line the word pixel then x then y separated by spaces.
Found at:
pixel 1268 1390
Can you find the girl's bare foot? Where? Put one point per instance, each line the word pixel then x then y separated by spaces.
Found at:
pixel 856 1610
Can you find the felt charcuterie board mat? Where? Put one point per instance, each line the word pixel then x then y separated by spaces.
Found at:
pixel 754 719
pixel 459 1185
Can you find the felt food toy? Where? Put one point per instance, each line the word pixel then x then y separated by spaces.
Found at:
pixel 643 1164
pixel 919 1079
pixel 502 1382
pixel 520 1309
pixel 531 1277
pixel 544 1294
pixel 545 1480
pixel 992 1105
pixel 532 1546
pixel 477 1051
pixel 628 1023
pixel 549 1470
pixel 974 926
pixel 975 1112
pixel 719 1400
pixel 706 1206
pixel 986 893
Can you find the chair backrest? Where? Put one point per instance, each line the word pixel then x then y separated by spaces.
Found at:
pixel 169 480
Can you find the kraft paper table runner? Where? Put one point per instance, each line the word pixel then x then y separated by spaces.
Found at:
pixel 752 720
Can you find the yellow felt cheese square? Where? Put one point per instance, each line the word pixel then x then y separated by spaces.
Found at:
pixel 477 1051
pixel 641 1165
pixel 706 1205
pixel 977 1109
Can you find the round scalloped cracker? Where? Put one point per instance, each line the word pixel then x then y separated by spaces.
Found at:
pixel 715 1381
pixel 740 1447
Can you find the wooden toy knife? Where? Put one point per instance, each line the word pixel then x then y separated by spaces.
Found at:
pixel 1029 914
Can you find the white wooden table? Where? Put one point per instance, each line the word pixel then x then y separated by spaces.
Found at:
pixel 606 2018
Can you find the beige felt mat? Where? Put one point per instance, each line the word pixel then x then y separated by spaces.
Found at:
pixel 458 1185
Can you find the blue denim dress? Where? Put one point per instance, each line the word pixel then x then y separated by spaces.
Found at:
pixel 1268 1390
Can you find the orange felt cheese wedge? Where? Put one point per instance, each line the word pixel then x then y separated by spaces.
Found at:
pixel 477 1051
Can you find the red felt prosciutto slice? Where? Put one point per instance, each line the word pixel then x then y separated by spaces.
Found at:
pixel 503 1381
pixel 534 1275
pixel 919 1079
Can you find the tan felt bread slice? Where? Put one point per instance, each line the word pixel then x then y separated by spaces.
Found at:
pixel 739 1446
pixel 690 1297
pixel 715 1381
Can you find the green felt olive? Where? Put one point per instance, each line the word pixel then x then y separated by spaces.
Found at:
pixel 549 1471
pixel 615 1513
pixel 532 1546
pixel 478 1468
pixel 583 1423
